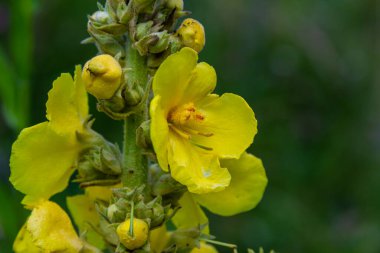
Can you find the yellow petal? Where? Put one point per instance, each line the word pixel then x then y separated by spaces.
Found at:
pixel 85 216
pixel 202 83
pixel 204 248
pixel 248 182
pixel 159 131
pixel 180 79
pixel 192 166
pixel 51 229
pixel 41 162
pixel 67 107
pixel 190 215
pixel 158 239
pixel 24 242
pixel 231 123
pixel 30 201
pixel 103 193
pixel 80 94
pixel 172 77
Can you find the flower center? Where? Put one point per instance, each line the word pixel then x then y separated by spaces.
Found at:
pixel 184 114
pixel 185 121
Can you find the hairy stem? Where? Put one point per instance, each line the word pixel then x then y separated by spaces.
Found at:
pixel 135 162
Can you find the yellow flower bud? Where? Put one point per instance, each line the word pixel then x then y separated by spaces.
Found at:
pixel 140 233
pixel 205 248
pixel 192 34
pixel 175 4
pixel 102 76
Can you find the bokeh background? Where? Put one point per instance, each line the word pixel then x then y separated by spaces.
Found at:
pixel 310 71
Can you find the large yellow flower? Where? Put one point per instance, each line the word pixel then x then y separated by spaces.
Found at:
pixel 192 128
pixel 49 229
pixel 44 155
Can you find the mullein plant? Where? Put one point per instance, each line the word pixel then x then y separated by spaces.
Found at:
pixel 184 146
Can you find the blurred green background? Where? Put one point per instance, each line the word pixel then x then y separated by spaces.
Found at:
pixel 307 68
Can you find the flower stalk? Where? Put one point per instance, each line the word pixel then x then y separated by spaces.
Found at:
pixel 135 162
pixel 183 148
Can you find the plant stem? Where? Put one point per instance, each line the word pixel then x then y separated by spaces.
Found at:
pixel 135 162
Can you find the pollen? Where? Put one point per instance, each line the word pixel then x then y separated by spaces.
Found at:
pixel 184 114
pixel 185 121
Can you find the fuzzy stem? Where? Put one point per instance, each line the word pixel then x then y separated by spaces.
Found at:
pixel 135 163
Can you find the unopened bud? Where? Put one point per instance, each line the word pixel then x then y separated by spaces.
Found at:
pixel 161 44
pixel 111 210
pixel 102 76
pixel 140 233
pixel 175 4
pixel 143 135
pixel 140 5
pixel 192 34
pixel 101 17
pixel 143 29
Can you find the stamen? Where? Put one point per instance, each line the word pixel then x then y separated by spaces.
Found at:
pixel 195 132
pixel 201 146
pixel 179 132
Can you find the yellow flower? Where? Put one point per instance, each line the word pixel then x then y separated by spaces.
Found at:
pixel 49 229
pixel 204 248
pixel 102 76
pixel 191 128
pixel 248 182
pixel 44 155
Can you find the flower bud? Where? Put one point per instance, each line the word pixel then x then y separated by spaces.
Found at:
pixel 102 76
pixel 162 43
pixel 192 34
pixel 101 17
pixel 143 135
pixel 175 4
pixel 143 29
pixel 140 233
pixel 111 210
pixel 140 5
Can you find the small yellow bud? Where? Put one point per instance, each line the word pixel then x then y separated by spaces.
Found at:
pixel 175 4
pixel 205 248
pixel 140 233
pixel 102 76
pixel 192 34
